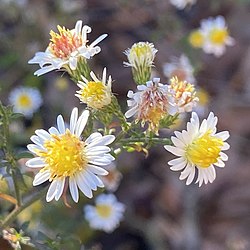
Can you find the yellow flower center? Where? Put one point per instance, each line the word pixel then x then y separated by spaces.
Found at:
pixel 196 39
pixel 95 95
pixel 205 150
pixel 65 155
pixel 104 210
pixel 218 36
pixel 140 50
pixel 24 101
pixel 180 87
pixel 64 43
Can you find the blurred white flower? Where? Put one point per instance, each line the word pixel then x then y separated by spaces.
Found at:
pixel 216 35
pixel 65 48
pixel 106 214
pixel 181 4
pixel 25 100
pixel 64 157
pixel 199 147
pixel 181 68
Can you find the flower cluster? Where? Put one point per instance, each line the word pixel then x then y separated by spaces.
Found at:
pixel 212 36
pixel 76 157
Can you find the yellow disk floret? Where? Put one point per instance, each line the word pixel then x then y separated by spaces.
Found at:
pixel 218 36
pixel 64 155
pixel 24 101
pixel 196 39
pixel 104 210
pixel 64 43
pixel 205 150
pixel 95 95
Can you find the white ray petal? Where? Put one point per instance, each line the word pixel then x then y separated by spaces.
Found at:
pixel 179 166
pixel 97 170
pixel 41 177
pixel 80 125
pixel 54 131
pixel 224 135
pixel 94 136
pixel 36 162
pixel 176 161
pixel 223 156
pixel 60 187
pixel 60 124
pixel 73 120
pixel 174 150
pixel 52 191
pixel 73 189
pixel 43 134
pixel 191 176
pixel 178 143
pixel 81 183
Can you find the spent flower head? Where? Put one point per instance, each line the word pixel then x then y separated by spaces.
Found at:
pixel 95 93
pixel 184 95
pixel 181 68
pixel 65 159
pixel 25 100
pixel 106 214
pixel 141 58
pixel 151 103
pixel 212 36
pixel 199 147
pixel 66 48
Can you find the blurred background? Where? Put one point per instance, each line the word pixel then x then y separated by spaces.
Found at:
pixel 161 211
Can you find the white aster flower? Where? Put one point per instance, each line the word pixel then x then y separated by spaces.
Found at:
pixel 216 35
pixel 184 95
pixel 181 4
pixel 65 48
pixel 181 68
pixel 25 100
pixel 107 213
pixel 65 158
pixel 96 93
pixel 151 103
pixel 200 146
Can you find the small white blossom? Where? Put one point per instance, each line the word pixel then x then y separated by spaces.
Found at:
pixel 25 100
pixel 106 214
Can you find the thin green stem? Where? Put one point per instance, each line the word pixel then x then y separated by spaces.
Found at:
pixel 9 155
pixel 17 210
pixel 155 140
